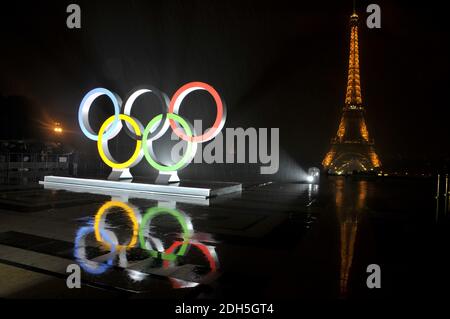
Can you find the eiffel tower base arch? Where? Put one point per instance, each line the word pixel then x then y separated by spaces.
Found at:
pixel 348 158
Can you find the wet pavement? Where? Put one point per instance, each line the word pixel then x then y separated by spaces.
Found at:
pixel 270 241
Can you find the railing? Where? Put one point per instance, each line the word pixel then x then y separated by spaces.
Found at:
pixel 336 140
pixel 24 168
pixel 442 194
pixel 24 162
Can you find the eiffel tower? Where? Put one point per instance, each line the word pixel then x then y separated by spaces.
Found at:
pixel 352 149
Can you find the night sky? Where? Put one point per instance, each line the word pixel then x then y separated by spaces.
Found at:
pixel 276 64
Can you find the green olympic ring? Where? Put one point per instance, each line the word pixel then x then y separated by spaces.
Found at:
pixel 187 155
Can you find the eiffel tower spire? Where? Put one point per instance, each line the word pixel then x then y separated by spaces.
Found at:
pixel 353 96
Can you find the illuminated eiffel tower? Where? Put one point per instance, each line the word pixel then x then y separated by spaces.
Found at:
pixel 352 149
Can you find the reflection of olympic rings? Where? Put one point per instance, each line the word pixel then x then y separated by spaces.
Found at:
pixel 141 226
pixel 89 266
pixel 207 251
pixel 100 220
pixel 182 219
pixel 155 129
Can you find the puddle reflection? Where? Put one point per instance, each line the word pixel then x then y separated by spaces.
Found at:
pixel 157 240
pixel 349 213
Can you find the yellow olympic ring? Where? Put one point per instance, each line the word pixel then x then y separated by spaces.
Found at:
pixel 135 155
pixel 130 213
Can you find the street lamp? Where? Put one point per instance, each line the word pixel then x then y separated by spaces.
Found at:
pixel 57 128
pixel 313 175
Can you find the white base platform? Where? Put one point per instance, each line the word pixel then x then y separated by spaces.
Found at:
pixel 184 189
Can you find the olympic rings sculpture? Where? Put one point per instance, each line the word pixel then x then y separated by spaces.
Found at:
pixel 155 129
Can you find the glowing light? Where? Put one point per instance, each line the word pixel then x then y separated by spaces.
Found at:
pixel 364 131
pixel 374 159
pixel 341 129
pixel 328 158
pixel 136 275
pixel 309 179
pixel 57 129
pixel 353 96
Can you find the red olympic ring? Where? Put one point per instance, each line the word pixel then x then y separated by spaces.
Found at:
pixel 178 98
